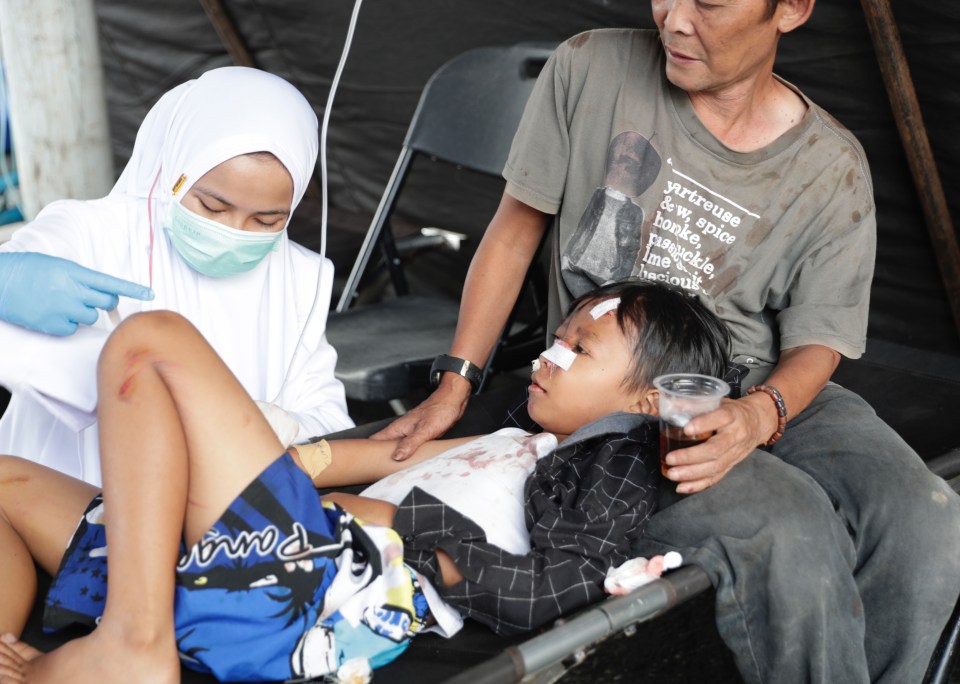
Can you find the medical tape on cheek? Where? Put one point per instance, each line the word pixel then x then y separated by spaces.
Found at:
pixel 605 307
pixel 560 356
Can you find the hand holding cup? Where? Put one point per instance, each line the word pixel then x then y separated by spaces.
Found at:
pixel 684 396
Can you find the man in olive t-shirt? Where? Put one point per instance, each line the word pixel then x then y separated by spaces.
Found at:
pixel 833 549
pixel 780 240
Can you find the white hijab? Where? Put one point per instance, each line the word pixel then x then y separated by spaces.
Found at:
pixel 224 113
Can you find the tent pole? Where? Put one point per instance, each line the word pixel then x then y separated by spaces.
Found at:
pixel 227 30
pixel 913 135
pixel 225 27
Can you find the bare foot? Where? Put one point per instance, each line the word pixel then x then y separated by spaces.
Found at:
pixel 14 656
pixel 99 658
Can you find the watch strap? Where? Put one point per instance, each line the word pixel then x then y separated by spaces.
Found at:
pixel 445 363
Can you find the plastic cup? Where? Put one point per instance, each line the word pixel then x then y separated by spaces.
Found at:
pixel 683 396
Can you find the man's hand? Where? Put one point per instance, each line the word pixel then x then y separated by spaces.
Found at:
pixel 430 419
pixel 743 424
pixel 740 426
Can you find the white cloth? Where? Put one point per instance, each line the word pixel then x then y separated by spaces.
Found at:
pixel 267 324
pixel 632 574
pixel 482 479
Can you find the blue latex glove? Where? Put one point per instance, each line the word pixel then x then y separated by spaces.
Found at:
pixel 53 295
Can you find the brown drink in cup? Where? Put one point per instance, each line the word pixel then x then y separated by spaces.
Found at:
pixel 672 438
pixel 684 396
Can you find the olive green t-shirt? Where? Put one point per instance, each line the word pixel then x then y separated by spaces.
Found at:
pixel 780 241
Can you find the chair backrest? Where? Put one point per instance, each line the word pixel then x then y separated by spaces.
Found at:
pixel 467 115
pixel 470 108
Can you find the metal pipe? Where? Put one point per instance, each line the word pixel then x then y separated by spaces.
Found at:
pixel 913 135
pixel 588 628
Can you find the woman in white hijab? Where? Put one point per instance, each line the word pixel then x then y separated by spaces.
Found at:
pixel 199 215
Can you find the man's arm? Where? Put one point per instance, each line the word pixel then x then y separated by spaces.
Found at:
pixel 492 285
pixel 748 422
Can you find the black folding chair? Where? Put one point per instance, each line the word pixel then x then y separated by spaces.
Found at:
pixel 467 116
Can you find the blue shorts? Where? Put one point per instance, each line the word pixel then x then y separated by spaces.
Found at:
pixel 283 586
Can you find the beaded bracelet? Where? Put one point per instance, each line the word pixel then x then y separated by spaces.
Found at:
pixel 774 394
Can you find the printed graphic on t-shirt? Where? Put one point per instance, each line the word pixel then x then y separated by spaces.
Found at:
pixel 683 240
pixel 607 240
pixel 692 230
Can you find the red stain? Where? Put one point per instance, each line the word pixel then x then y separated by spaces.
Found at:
pixel 126 386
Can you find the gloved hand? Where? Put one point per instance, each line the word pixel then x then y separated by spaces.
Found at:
pixel 54 295
pixel 284 425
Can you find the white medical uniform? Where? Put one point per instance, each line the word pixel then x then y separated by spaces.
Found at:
pixel 267 324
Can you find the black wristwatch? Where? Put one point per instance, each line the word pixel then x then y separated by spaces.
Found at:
pixel 451 364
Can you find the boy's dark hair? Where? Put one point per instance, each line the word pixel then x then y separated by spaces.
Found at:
pixel 671 331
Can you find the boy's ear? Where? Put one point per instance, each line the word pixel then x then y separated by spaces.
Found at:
pixel 648 402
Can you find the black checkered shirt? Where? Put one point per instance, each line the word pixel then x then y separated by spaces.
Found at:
pixel 585 503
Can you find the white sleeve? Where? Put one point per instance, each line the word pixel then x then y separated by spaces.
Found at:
pixel 57 231
pixel 58 372
pixel 311 391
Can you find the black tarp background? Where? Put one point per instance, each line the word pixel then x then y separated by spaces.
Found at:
pixel 150 47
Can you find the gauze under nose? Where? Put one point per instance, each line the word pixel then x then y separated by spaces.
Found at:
pixel 560 355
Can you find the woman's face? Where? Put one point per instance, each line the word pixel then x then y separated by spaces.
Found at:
pixel 251 192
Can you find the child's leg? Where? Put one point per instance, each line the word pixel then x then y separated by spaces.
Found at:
pixel 39 511
pixel 179 440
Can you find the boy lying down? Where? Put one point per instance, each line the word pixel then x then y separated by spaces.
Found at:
pixel 226 555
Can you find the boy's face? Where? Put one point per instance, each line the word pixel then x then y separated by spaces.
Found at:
pixel 561 401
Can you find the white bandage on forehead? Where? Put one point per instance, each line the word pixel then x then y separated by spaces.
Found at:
pixel 604 307
pixel 560 356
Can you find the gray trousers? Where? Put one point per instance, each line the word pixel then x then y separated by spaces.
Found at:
pixel 835 559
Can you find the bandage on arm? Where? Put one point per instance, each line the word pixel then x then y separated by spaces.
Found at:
pixel 314 457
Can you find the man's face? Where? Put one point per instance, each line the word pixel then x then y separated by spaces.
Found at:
pixel 717 44
pixel 561 401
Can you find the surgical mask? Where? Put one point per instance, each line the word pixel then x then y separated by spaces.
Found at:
pixel 214 249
